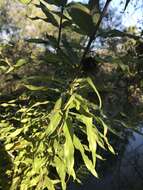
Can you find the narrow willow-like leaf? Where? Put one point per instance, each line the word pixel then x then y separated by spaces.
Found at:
pixel 90 135
pixel 49 183
pixel 54 122
pixel 38 41
pixel 92 142
pixel 25 1
pixel 57 2
pixel 69 148
pixel 20 63
pixel 69 103
pixel 15 183
pixel 39 104
pixel 109 146
pixel 86 160
pixel 7 105
pixel 104 126
pixel 61 170
pixel 49 15
pixel 36 88
pixel 96 91
pixel 58 104
pixel 9 146
pixel 34 181
pixel 15 133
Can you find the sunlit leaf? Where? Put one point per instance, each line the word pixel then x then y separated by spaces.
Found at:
pixel 96 91
pixel 86 160
pixel 20 62
pixel 92 141
pixel 61 169
pixel 69 148
pixel 36 88
pixel 54 122
pixel 49 183
pixel 15 133
pixel 15 182
pixel 9 146
pixel 25 1
pixel 58 104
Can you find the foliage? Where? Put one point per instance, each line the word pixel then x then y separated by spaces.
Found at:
pixel 49 123
pixel 51 120
pixel 42 139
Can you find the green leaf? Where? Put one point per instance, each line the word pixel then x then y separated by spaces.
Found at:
pixel 95 18
pixel 25 1
pixel 56 2
pixel 117 33
pixel 86 160
pixel 36 88
pixel 69 148
pixel 104 136
pixel 38 163
pixel 55 120
pixel 70 51
pixel 20 62
pixel 92 141
pixel 51 18
pixel 58 104
pixel 91 135
pixel 15 133
pixel 11 68
pixel 61 170
pixel 82 17
pixel 25 120
pixel 34 181
pixel 109 146
pixel 49 183
pixel 7 105
pixel 52 58
pixel 39 104
pixel 43 78
pixel 104 126
pixel 69 103
pixel 9 146
pixel 37 41
pixel 96 91
pixel 15 183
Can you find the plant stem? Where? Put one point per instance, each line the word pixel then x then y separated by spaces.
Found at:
pixel 60 27
pixel 93 36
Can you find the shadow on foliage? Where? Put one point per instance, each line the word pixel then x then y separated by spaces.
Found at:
pixel 5 169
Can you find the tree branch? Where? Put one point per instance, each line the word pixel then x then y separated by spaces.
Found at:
pixel 60 27
pixel 93 36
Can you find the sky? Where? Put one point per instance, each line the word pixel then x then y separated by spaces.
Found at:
pixel 131 16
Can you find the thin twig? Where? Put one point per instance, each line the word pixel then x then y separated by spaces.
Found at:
pixel 60 27
pixel 93 36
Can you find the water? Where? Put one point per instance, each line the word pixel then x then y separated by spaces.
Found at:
pixel 125 172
